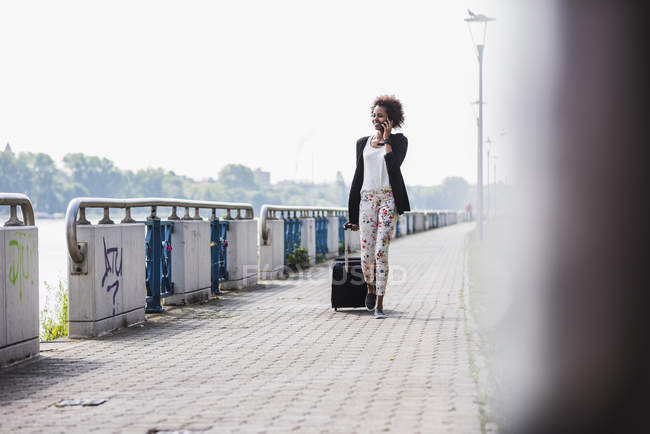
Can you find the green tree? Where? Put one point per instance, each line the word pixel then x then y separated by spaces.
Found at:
pixel 51 188
pixel 148 183
pixel 15 176
pixel 238 176
pixel 96 176
pixel 47 182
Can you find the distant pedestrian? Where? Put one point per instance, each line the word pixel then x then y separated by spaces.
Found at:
pixel 378 195
pixel 468 212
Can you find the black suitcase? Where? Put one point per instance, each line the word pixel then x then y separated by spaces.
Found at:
pixel 348 285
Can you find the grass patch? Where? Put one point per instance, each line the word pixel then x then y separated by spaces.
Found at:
pixel 54 323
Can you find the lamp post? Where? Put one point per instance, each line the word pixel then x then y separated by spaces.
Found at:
pixel 487 206
pixel 479 22
pixel 494 161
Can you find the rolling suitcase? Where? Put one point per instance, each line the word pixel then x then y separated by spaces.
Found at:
pixel 348 285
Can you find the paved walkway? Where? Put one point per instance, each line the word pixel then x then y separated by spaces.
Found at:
pixel 275 358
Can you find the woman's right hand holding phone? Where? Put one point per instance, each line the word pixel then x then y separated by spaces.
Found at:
pixel 386 128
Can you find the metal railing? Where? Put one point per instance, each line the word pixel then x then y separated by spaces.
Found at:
pixel 321 236
pixel 218 254
pixel 292 236
pixel 341 229
pixel 436 218
pixel 15 200
pixel 78 206
pixel 275 212
pixel 158 258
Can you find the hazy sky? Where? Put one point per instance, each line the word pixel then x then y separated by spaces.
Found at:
pixel 191 86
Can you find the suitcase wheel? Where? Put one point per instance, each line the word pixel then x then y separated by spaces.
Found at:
pixel 336 309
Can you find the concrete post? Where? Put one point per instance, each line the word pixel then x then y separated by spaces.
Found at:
pixel 419 222
pixel 272 254
pixel 112 294
pixel 190 262
pixel 242 254
pixel 332 237
pixel 308 238
pixel 402 225
pixel 18 293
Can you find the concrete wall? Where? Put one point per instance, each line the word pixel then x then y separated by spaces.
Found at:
pixel 190 262
pixel 332 237
pixel 272 254
pixel 242 254
pixel 18 293
pixel 112 294
pixel 308 237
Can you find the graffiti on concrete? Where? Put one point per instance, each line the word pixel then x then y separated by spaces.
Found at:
pixel 22 254
pixel 112 270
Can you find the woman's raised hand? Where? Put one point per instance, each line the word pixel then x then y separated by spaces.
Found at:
pixel 388 126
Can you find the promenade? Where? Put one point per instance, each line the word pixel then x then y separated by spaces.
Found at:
pixel 274 358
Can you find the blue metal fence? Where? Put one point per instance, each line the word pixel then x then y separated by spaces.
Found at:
pixel 321 237
pixel 218 253
pixel 397 234
pixel 292 228
pixel 158 259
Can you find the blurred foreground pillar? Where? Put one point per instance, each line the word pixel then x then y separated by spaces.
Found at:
pixel 595 297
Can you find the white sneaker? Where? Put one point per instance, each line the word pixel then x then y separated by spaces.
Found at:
pixel 379 314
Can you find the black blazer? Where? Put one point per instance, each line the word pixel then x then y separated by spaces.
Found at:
pixel 394 159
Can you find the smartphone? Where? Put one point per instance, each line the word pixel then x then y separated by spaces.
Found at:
pixel 382 131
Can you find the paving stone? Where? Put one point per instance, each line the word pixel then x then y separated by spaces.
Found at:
pixel 275 358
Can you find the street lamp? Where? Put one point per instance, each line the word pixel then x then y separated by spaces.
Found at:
pixel 494 161
pixel 487 206
pixel 491 204
pixel 478 22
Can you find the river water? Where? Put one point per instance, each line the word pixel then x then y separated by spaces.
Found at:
pixel 52 259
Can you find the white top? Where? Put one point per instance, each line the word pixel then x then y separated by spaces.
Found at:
pixel 375 173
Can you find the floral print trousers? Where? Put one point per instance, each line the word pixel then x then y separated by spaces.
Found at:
pixel 376 217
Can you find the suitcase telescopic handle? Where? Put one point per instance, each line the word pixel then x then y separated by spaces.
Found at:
pixel 346 238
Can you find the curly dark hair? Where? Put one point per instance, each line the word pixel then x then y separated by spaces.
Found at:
pixel 393 107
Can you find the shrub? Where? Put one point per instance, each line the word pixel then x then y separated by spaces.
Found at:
pixel 299 258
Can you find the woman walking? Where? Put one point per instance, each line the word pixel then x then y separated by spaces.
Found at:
pixel 378 195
